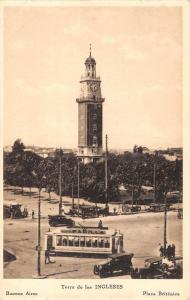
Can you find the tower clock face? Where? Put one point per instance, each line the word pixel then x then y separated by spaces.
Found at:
pixel 93 87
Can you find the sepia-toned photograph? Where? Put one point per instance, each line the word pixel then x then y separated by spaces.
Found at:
pixel 92 149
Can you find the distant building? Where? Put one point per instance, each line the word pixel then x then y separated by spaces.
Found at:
pixel 45 151
pixel 7 148
pixel 170 157
pixel 65 151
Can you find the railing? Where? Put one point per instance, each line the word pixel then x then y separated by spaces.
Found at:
pixel 88 99
pixel 90 78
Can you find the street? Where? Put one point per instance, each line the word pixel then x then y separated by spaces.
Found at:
pixel 142 235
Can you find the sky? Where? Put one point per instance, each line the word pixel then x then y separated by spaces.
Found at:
pixel 138 52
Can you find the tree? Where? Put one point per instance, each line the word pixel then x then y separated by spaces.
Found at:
pixel 18 148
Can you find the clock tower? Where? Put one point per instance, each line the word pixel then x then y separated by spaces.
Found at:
pixel 90 114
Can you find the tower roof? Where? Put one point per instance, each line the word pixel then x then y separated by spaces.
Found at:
pixel 90 60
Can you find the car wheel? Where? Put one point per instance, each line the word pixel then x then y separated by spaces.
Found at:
pixel 127 271
pixel 102 275
pixel 135 274
pixel 95 270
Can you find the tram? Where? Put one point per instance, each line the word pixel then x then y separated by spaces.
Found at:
pixel 86 240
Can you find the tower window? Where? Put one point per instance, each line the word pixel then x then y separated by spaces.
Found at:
pixel 94 139
pixel 94 126
pixel 94 116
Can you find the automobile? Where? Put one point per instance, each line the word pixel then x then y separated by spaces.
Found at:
pixel 84 211
pixel 88 211
pixel 60 220
pixel 155 269
pixel 152 269
pixel 128 208
pixel 177 271
pixel 104 211
pixel 116 263
pixel 135 208
pixel 156 207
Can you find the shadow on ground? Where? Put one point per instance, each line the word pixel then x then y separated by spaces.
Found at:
pixel 58 273
pixel 8 256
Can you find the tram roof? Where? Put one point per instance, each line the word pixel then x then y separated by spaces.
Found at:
pixel 68 231
pixel 87 231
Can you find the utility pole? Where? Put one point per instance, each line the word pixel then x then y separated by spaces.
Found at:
pixel 39 233
pixel 133 190
pixel 106 171
pixel 154 182
pixel 155 157
pixel 165 226
pixel 72 192
pixel 78 185
pixel 60 183
pixel 38 247
pixel 133 179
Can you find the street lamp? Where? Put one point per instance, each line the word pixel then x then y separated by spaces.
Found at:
pixel 133 178
pixel 38 247
pixel 78 183
pixel 165 217
pixel 106 171
pixel 154 177
pixel 60 182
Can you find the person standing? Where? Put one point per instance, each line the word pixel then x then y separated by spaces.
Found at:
pixel 173 251
pixel 168 251
pixel 100 225
pixel 161 251
pixel 33 214
pixel 47 256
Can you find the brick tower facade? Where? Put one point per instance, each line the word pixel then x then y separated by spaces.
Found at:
pixel 90 114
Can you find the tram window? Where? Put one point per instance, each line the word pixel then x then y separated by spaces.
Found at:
pixel 101 243
pixel 58 240
pixel 64 240
pixel 94 242
pixel 71 241
pixel 107 244
pixel 88 242
pixel 76 242
pixel 82 242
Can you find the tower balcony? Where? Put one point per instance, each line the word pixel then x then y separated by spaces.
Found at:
pixel 89 151
pixel 85 78
pixel 88 99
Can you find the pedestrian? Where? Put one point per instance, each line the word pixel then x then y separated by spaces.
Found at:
pixel 47 256
pixel 169 251
pixel 26 212
pixel 173 251
pixel 107 209
pixel 161 251
pixel 100 225
pixel 33 214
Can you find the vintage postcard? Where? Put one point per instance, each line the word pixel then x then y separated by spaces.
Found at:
pixel 95 163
